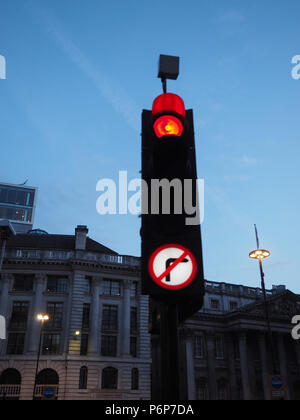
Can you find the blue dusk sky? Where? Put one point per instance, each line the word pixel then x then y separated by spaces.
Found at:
pixel 79 74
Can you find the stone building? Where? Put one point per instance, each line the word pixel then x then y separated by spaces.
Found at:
pixel 225 351
pixel 96 343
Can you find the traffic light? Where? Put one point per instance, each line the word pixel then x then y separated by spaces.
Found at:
pixel 172 266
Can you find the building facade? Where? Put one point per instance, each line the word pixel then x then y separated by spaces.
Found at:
pixel 96 343
pixel 225 351
pixel 17 204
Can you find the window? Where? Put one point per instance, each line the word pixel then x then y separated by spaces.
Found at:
pixel 202 390
pixel 296 389
pixel 109 345
pixel 19 196
pixel 23 283
pixel 84 344
pixel 134 379
pixel 219 347
pixel 86 315
pixel 109 378
pixel 19 315
pixel 214 304
pixel 56 284
pixel 222 390
pixel 83 376
pixel 51 343
pixel 233 305
pixel 199 346
pixel 236 345
pixel 10 377
pixel 15 213
pixel 111 288
pixel 133 346
pixel 256 350
pixel 59 255
pixel 55 312
pixel 110 317
pixel 133 320
pixel 88 284
pixel 15 343
pixel 290 349
pixel 133 289
pixel 47 377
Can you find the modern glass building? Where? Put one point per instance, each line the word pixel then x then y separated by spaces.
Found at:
pixel 17 204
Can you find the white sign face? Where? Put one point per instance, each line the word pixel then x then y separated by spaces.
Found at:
pixel 172 267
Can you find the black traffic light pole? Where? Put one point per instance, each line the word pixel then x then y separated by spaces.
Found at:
pixel 169 346
pixel 169 340
pixel 170 155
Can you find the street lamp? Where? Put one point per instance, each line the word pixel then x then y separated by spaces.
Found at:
pixel 41 318
pixel 260 255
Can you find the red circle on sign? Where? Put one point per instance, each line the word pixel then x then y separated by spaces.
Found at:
pixel 158 281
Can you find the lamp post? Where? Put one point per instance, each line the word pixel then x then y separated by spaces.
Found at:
pixel 260 255
pixel 42 318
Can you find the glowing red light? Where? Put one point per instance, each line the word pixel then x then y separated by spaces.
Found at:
pixel 168 102
pixel 168 125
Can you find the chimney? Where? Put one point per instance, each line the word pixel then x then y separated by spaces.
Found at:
pixel 278 289
pixel 80 237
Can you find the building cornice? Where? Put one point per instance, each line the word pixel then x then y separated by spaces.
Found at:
pixel 84 265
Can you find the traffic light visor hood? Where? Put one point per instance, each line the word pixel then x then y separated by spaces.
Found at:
pixel 168 113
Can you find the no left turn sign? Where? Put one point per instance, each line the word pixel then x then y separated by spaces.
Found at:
pixel 172 267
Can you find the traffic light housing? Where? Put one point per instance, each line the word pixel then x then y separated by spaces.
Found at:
pixel 172 265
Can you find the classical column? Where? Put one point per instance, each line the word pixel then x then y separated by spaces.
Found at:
pixel 283 363
pixel 264 365
pixel 244 366
pixel 190 365
pixel 297 348
pixel 37 307
pixel 5 280
pixel 93 345
pixel 126 319
pixel 211 362
pixel 231 364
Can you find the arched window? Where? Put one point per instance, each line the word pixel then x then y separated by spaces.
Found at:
pixel 10 384
pixel 83 377
pixel 110 378
pixel 47 377
pixel 134 379
pixel 10 377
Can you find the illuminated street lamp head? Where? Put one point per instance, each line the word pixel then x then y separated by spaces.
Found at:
pixel 42 317
pixel 77 333
pixel 259 254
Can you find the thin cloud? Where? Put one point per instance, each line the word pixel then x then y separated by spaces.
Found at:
pixel 231 16
pixel 117 97
pixel 248 161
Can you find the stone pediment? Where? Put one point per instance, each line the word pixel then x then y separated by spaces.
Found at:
pixel 284 305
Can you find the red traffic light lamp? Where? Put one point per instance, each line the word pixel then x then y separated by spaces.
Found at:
pixel 168 114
